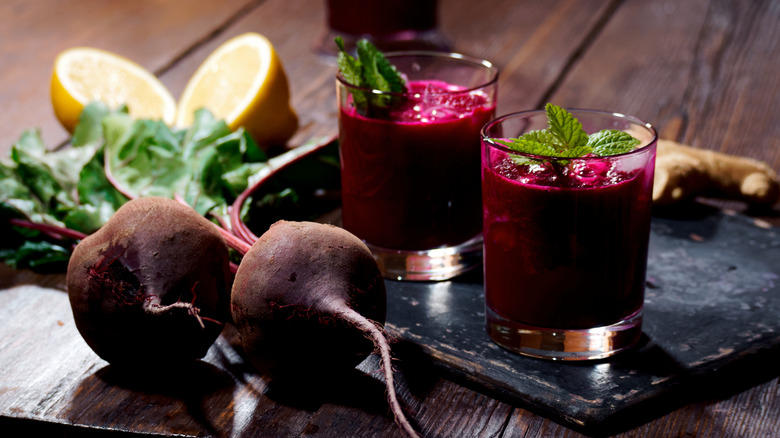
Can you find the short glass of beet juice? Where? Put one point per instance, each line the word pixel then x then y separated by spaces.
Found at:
pixel 566 240
pixel 410 173
pixel 391 25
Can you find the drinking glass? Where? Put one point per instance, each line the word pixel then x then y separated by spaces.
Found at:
pixel 391 25
pixel 410 170
pixel 565 240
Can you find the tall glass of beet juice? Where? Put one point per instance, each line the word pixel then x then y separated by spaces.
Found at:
pixel 410 172
pixel 391 25
pixel 566 240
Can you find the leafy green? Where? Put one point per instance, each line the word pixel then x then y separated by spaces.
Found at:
pixel 303 192
pixel 565 128
pixel 565 138
pixel 43 186
pixel 35 254
pixel 146 158
pixel 612 142
pixel 112 157
pixel 371 71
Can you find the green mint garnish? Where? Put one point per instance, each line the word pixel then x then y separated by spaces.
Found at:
pixel 565 138
pixel 369 70
pixel 565 128
pixel 612 142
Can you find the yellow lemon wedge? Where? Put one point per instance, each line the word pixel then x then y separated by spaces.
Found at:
pixel 83 74
pixel 243 82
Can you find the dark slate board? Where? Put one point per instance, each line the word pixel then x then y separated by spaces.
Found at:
pixel 712 301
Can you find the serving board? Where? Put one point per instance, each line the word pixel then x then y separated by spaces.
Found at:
pixel 711 316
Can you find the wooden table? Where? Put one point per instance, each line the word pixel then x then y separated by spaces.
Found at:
pixel 704 72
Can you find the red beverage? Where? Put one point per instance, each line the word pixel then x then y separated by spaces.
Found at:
pixel 411 181
pixel 410 164
pixel 360 17
pixel 566 240
pixel 566 253
pixel 391 25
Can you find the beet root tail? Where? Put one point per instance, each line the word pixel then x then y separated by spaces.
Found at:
pixel 380 341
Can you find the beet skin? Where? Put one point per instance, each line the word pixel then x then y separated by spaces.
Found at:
pixel 290 292
pixel 151 287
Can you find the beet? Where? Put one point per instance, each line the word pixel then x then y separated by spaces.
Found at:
pixel 309 303
pixel 151 287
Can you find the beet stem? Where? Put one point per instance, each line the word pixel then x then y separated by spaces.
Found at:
pixel 231 239
pixel 381 343
pixel 265 174
pixel 54 231
pixel 234 241
pixel 114 182
pixel 222 222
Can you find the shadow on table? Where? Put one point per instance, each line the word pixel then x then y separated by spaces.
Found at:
pixel 703 208
pixel 294 401
pixel 360 389
pixel 196 397
pixel 730 380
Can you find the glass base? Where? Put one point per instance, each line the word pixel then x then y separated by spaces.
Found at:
pixel 570 345
pixel 432 40
pixel 428 265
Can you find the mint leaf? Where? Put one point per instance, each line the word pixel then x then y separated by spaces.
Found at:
pixel 377 71
pixel 530 146
pixel 567 129
pixel 543 136
pixel 348 65
pixel 369 70
pixel 612 142
pixel 565 138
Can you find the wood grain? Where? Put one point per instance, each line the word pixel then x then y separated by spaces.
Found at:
pixel 703 71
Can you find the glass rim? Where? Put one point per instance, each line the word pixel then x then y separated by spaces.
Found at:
pixel 635 120
pixel 473 61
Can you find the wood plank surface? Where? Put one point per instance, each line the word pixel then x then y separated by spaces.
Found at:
pixel 701 71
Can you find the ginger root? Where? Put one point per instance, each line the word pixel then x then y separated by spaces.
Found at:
pixel 683 173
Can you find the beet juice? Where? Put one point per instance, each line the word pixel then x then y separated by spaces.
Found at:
pixel 360 17
pixel 412 181
pixel 392 25
pixel 410 174
pixel 565 250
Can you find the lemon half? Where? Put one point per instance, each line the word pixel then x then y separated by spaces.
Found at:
pixel 243 82
pixel 83 74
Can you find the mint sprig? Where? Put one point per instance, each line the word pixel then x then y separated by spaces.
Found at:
pixel 565 138
pixel 370 70
pixel 566 129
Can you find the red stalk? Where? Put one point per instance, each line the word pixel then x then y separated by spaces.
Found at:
pixel 275 165
pixel 54 231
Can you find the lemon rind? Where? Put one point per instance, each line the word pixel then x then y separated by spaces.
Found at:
pixel 65 60
pixel 266 55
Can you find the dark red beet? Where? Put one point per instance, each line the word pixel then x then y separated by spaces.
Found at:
pixel 309 302
pixel 151 287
